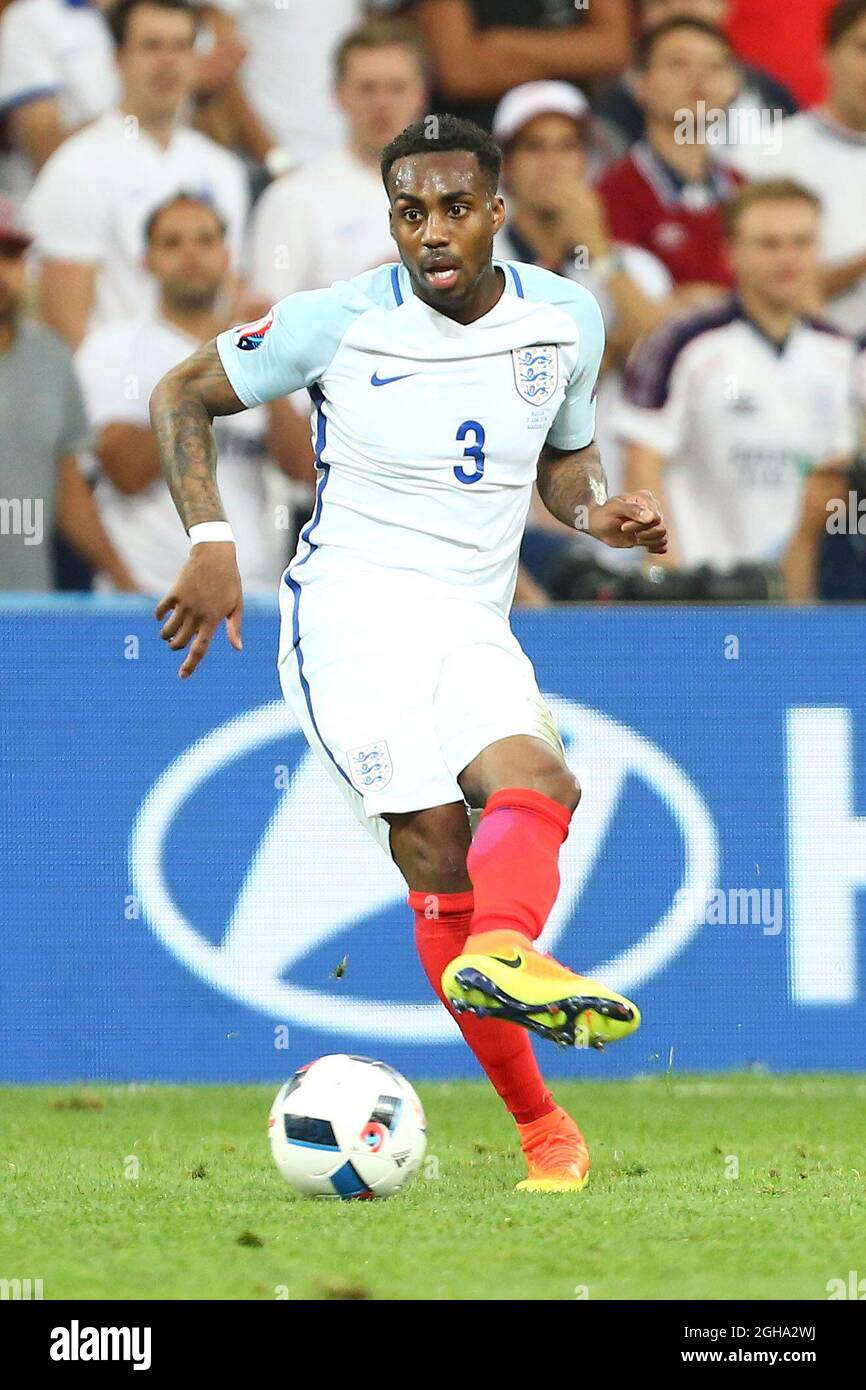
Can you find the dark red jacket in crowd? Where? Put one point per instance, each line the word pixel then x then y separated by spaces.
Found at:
pixel 648 204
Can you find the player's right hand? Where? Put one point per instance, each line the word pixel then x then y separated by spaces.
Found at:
pixel 207 590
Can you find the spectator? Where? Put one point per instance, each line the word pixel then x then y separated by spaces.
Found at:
pixel 57 73
pixel 330 221
pixel 785 39
pixel 667 195
pixel 119 365
pixel 42 424
pixel 481 48
pixel 827 557
pixel 557 220
pixel 622 113
pixel 286 77
pixel 91 201
pixel 729 408
pixel 825 149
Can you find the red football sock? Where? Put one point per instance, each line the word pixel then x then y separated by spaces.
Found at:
pixel 503 1050
pixel 513 861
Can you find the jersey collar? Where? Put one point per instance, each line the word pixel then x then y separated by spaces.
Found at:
pixel 401 288
pixel 777 348
pixel 672 190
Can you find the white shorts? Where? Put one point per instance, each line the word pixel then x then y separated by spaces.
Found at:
pixel 398 686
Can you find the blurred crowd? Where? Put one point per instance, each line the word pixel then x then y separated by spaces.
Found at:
pixel 170 168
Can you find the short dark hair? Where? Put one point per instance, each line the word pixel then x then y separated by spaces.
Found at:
pixel 118 15
pixel 440 133
pixel 841 18
pixel 649 40
pixel 764 191
pixel 381 33
pixel 174 201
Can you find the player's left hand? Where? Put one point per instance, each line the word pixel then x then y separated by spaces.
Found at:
pixel 626 522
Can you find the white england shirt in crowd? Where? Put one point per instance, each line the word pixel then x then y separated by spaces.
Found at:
pixel 427 431
pixel 740 422
pixel 91 200
pixel 325 223
pixel 830 160
pixel 53 48
pixel 654 278
pixel 287 75
pixel 118 366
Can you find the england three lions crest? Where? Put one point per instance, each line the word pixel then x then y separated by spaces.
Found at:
pixel 536 372
pixel 370 767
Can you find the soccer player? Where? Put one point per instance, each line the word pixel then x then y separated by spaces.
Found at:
pixel 440 386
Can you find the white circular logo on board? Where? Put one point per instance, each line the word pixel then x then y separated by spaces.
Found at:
pixel 297 891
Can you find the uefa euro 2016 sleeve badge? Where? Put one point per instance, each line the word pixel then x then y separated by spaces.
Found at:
pixel 536 372
pixel 249 336
pixel 370 766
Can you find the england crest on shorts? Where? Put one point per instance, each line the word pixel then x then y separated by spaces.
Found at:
pixel 370 766
pixel 536 372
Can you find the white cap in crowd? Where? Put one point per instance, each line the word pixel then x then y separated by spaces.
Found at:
pixel 522 104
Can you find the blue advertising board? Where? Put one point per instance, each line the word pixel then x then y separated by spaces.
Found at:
pixel 181 877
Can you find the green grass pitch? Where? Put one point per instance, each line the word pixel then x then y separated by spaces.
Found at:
pixel 704 1187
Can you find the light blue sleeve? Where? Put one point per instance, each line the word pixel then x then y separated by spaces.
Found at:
pixel 292 345
pixel 574 426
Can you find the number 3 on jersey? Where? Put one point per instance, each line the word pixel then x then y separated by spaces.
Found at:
pixel 472 451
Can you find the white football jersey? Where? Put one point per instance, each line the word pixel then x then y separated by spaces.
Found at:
pixel 427 432
pixel 740 422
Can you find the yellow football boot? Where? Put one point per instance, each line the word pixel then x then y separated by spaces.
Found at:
pixel 502 975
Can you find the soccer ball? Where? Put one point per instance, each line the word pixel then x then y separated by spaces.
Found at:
pixel 347 1126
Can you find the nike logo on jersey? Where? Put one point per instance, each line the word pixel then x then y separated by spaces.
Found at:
pixel 512 964
pixel 376 380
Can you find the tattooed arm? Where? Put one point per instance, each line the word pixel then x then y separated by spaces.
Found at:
pixel 208 588
pixel 573 488
pixel 182 409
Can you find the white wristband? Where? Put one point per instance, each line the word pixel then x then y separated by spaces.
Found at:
pixel 210 531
